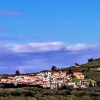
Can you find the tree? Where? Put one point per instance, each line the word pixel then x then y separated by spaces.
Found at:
pixel 17 73
pixel 90 60
pixel 90 84
pixel 76 64
pixel 54 68
pixel 88 69
pixel 69 71
pixel 98 83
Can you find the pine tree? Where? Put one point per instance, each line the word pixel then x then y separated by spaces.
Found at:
pixel 69 71
pixel 54 68
pixel 17 73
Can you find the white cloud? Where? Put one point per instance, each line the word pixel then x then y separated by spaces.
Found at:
pixel 50 46
pixel 80 46
pixel 37 47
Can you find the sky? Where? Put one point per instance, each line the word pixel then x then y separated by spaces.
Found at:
pixel 36 34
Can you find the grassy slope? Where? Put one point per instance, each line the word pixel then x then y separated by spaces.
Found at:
pixel 90 69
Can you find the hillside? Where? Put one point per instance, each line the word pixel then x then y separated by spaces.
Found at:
pixel 91 69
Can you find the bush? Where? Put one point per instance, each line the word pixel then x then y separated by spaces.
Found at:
pixel 15 93
pixel 27 93
pixel 78 93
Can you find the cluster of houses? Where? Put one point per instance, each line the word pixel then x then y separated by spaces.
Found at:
pixel 47 79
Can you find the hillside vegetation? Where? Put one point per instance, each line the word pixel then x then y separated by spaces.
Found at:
pixel 34 93
pixel 91 69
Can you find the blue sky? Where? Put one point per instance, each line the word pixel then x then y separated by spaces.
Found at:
pixel 69 21
pixel 72 23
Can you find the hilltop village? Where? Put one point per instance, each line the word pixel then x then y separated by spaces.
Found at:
pixel 51 79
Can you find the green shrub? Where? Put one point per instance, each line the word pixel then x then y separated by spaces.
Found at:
pixel 15 93
pixel 78 93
